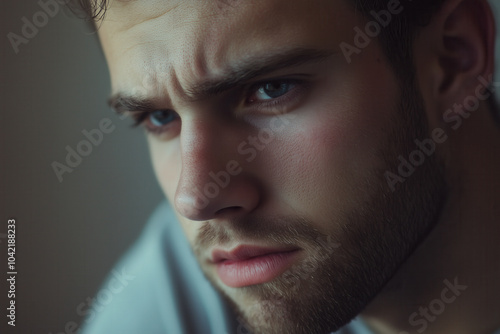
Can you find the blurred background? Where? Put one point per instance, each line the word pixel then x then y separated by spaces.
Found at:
pixel 70 233
pixel 70 229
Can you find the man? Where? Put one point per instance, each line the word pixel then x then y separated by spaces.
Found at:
pixel 326 160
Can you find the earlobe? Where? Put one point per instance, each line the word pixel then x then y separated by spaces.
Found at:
pixel 467 45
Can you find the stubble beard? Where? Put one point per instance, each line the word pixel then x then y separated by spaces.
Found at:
pixel 341 276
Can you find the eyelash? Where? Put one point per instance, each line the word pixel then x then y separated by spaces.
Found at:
pixel 280 104
pixel 141 119
pixel 274 105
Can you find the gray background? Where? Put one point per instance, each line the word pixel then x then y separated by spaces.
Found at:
pixel 69 234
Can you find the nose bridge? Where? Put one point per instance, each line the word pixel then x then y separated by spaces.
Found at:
pixel 201 151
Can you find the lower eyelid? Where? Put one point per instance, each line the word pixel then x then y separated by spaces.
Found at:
pixel 163 132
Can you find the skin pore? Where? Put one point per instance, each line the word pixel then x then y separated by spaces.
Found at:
pixel 205 78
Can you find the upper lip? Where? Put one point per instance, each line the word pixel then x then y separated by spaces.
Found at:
pixel 244 252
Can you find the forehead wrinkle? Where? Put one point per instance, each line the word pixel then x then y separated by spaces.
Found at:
pixel 168 85
pixel 202 64
pixel 133 7
pixel 135 45
pixel 129 10
pixel 176 85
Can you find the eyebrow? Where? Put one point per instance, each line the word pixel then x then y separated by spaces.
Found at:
pixel 242 72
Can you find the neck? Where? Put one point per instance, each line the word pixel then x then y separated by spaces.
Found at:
pixel 451 282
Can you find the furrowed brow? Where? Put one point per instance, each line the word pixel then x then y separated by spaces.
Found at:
pixel 251 68
pixel 241 73
pixel 123 104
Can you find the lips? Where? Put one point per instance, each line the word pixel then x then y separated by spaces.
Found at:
pixel 249 265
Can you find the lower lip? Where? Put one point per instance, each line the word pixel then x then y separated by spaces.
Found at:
pixel 256 270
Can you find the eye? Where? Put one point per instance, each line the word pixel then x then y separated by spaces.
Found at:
pixel 277 96
pixel 272 90
pixel 160 118
pixel 157 121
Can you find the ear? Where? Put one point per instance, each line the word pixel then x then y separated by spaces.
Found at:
pixel 465 48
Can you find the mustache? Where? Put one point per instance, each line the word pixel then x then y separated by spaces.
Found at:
pixel 282 230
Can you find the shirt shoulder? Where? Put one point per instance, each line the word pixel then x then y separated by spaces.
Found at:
pixel 163 289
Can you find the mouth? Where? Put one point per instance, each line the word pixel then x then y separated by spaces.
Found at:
pixel 249 265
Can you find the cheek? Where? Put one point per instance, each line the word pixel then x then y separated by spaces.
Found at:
pixel 327 158
pixel 165 158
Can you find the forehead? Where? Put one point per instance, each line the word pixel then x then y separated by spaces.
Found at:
pixel 196 40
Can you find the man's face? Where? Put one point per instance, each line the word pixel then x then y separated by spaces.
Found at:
pixel 272 149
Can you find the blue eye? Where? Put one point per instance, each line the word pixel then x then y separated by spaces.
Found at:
pixel 273 90
pixel 158 121
pixel 161 118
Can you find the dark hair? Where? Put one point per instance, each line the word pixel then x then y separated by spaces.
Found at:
pixel 397 38
pixel 94 9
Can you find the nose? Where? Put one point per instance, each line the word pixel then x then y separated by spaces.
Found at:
pixel 213 182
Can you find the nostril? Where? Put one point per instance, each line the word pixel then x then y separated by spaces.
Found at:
pixel 229 210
